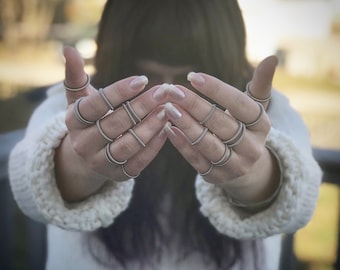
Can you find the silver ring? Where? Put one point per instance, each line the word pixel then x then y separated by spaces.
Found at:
pixel 200 137
pixel 258 118
pixel 102 132
pixel 77 114
pixel 131 113
pixel 210 113
pixel 106 100
pixel 208 171
pixel 261 100
pixel 134 134
pixel 127 174
pixel 76 89
pixel 110 158
pixel 238 136
pixel 223 161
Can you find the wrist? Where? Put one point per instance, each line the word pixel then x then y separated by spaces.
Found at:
pixel 259 188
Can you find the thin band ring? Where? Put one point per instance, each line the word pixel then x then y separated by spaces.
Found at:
pixel 110 158
pixel 223 161
pixel 240 135
pixel 257 120
pixel 76 89
pixel 236 135
pixel 102 132
pixel 131 113
pixel 134 134
pixel 77 114
pixel 261 100
pixel 208 171
pixel 127 174
pixel 106 100
pixel 210 113
pixel 200 137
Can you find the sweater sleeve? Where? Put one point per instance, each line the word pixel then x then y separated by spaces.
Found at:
pixel 296 201
pixel 32 178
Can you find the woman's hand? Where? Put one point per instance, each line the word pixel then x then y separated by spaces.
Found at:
pixel 227 146
pixel 108 136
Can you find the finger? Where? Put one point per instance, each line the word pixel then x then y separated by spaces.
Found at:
pixel 234 167
pixel 246 145
pixel 239 105
pixel 75 75
pixel 198 136
pixel 134 164
pixel 138 137
pixel 261 83
pixel 96 105
pixel 183 145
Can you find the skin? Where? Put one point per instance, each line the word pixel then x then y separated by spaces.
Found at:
pixel 252 173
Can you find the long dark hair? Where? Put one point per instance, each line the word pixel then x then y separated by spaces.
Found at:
pixel 209 35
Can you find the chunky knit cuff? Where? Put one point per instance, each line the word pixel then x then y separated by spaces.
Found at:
pixel 292 208
pixel 31 169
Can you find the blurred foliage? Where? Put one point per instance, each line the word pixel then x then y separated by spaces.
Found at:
pixel 30 21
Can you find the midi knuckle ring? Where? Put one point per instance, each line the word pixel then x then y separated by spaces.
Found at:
pixel 200 137
pixel 224 159
pixel 131 113
pixel 134 134
pixel 78 115
pixel 237 137
pixel 105 99
pixel 258 119
pixel 261 100
pixel 210 113
pixel 208 171
pixel 110 158
pixel 102 132
pixel 127 174
pixel 76 89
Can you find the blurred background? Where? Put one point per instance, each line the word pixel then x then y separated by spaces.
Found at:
pixel 304 34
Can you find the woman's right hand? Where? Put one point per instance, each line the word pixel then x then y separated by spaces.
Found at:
pixel 104 144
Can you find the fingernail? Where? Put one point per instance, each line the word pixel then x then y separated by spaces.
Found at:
pixel 161 115
pixel 175 92
pixel 160 92
pixel 195 78
pixel 139 82
pixel 172 110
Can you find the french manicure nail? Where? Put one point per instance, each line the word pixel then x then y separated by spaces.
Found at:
pixel 175 92
pixel 172 110
pixel 195 78
pixel 160 92
pixel 139 82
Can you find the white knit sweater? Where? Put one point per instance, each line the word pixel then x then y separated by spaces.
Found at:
pixel 31 169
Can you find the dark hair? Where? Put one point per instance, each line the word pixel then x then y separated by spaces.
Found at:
pixel 209 35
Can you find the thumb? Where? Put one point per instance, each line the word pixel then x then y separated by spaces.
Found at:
pixel 261 83
pixel 75 76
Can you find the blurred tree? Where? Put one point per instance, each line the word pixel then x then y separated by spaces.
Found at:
pixel 26 20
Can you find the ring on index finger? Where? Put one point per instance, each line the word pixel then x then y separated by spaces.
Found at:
pixel 78 115
pixel 257 120
pixel 105 98
pixel 131 113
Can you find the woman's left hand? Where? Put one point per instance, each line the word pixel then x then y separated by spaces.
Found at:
pixel 227 147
